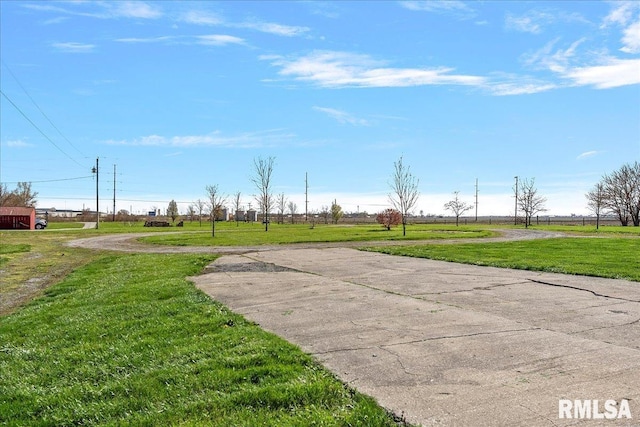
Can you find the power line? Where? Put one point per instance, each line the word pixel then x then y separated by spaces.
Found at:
pixel 40 109
pixel 52 180
pixel 39 130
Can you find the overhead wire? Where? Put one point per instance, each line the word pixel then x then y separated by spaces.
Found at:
pixel 40 109
pixel 40 130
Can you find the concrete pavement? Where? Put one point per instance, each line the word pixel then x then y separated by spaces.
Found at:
pixel 443 343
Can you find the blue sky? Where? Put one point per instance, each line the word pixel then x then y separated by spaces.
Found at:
pixel 183 95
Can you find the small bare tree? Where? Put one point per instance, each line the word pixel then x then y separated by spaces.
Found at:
pixel 325 213
pixel 199 206
pixel 191 212
pixel 622 193
pixel 404 195
pixel 457 206
pixel 237 202
pixel 596 201
pixel 293 208
pixel 263 168
pixel 281 204
pixel 529 201
pixel 216 200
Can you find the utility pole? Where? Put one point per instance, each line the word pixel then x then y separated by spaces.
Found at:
pixel 515 215
pixel 306 197
pixel 114 194
pixel 96 171
pixel 476 199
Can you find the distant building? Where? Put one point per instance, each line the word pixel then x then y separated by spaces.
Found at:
pixel 17 218
pixel 58 213
pixel 251 215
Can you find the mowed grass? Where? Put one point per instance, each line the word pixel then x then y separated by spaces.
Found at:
pixel 242 234
pixel 127 340
pixel 610 257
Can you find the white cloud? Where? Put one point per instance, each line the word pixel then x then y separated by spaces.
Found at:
pixel 219 40
pixel 136 9
pixel 266 138
pixel 343 69
pixel 613 73
pixel 18 143
pixel 587 154
pixel 454 8
pixel 73 47
pixel 273 28
pixel 201 18
pixel 532 22
pixel 631 38
pixel 626 15
pixel 342 116
pixel 146 39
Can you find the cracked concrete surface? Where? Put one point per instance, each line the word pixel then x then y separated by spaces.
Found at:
pixel 442 343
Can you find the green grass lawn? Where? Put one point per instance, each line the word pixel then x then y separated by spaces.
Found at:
pixel 230 234
pixel 613 257
pixel 126 339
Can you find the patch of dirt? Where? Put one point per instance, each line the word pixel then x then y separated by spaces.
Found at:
pixel 244 267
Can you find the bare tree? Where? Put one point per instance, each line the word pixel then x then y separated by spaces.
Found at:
pixel 237 202
pixel 22 196
pixel 216 200
pixel 595 202
pixel 622 193
pixel 200 205
pixel 404 196
pixel 325 213
pixel 457 206
pixel 293 208
pixel 529 201
pixel 191 212
pixel 281 204
pixel 262 180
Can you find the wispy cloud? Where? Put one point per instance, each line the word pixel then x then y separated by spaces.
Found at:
pixel 587 154
pixel 342 116
pixel 613 73
pixel 273 28
pixel 343 69
pixel 18 143
pixel 219 40
pixel 267 138
pixel 531 22
pixel 212 19
pixel 627 16
pixel 457 9
pixel 159 39
pixel 102 9
pixel 73 47
pixel 201 18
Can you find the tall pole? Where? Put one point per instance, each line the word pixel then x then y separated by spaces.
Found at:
pixel 306 197
pixel 97 196
pixel 114 194
pixel 476 199
pixel 515 215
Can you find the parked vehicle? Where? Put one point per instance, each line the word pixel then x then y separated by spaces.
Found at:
pixel 40 223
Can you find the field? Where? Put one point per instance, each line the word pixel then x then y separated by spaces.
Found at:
pixel 95 337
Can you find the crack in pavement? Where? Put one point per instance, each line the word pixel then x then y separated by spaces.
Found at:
pixel 444 337
pixel 582 289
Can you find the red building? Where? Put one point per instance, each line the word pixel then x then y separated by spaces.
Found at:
pixel 17 218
